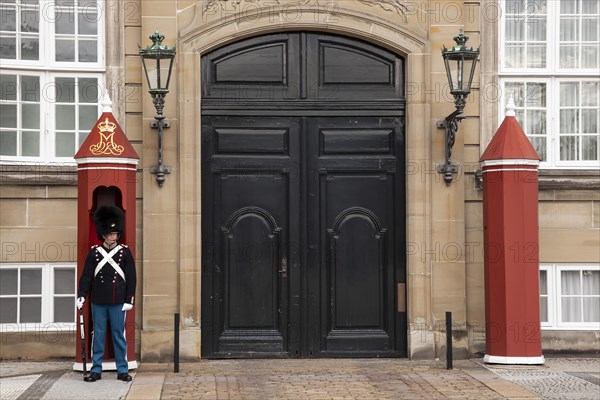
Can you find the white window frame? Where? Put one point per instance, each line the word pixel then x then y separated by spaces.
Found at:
pixel 554 297
pixel 556 49
pixel 556 126
pixel 47 149
pixel 48 69
pixel 47 18
pixel 550 296
pixel 552 119
pixel 553 75
pixel 47 308
pixel 502 36
pixel 504 96
pixel 552 48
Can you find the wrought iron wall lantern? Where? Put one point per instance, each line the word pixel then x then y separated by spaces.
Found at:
pixel 158 64
pixel 460 62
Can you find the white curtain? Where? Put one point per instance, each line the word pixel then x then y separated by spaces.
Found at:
pixel 591 300
pixel 578 33
pixel 580 296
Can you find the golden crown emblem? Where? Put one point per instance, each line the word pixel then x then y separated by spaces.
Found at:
pixel 107 126
pixel 106 145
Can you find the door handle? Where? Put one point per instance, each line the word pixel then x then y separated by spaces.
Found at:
pixel 283 267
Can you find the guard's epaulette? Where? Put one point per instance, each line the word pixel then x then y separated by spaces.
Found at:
pixel 124 245
pixel 94 246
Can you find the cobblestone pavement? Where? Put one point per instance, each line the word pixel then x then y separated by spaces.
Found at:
pixel 332 379
pixel 326 379
pixel 559 378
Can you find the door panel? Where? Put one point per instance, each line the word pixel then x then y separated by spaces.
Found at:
pixel 250 224
pixel 353 231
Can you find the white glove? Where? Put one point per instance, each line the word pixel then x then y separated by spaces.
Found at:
pixel 79 302
pixel 127 307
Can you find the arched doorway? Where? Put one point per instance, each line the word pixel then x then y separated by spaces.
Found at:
pixel 303 199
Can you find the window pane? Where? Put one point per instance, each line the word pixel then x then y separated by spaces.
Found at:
pixel 514 29
pixel 589 121
pixel 31 281
pixel 65 117
pixel 569 148
pixel 8 310
pixel 30 117
pixel 569 121
pixel 88 90
pixel 569 6
pixel 536 122
pixel 64 281
pixel 537 7
pixel 590 148
pixel 8 47
pixel 570 283
pixel 8 281
pixel 31 309
pixel 520 116
pixel 591 283
pixel 8 143
pixel 590 91
pixel 65 50
pixel 515 89
pixel 88 22
pixel 589 29
pixel 8 115
pixel 537 56
pixel 65 21
pixel 543 282
pixel 65 144
pixel 29 20
pixel 31 144
pixel 82 135
pixel 88 115
pixel 65 90
pixel 569 29
pixel 514 56
pixel 589 6
pixel 568 56
pixel 536 29
pixel 539 144
pixel 571 309
pixel 589 56
pixel 544 309
pixel 536 95
pixel 30 49
pixel 569 94
pixel 88 51
pixel 591 309
pixel 30 88
pixel 8 20
pixel 63 309
pixel 8 87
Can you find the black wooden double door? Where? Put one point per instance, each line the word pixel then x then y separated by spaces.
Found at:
pixel 303 235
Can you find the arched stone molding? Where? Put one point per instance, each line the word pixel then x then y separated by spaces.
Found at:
pixel 200 32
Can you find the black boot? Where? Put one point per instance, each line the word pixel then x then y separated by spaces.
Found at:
pixel 125 377
pixel 93 377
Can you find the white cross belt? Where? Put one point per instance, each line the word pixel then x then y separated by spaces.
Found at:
pixel 108 258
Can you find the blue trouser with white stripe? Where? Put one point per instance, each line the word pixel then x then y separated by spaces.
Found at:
pixel 101 313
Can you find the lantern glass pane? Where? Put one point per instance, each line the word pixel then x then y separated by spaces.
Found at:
pixel 152 73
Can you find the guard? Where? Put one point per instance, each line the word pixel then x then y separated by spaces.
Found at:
pixel 109 277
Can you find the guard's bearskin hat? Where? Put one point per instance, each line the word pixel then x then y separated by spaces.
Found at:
pixel 108 219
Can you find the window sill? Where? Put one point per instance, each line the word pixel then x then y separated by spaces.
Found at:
pixel 568 179
pixel 38 175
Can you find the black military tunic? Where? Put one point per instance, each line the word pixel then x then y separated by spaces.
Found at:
pixel 108 287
